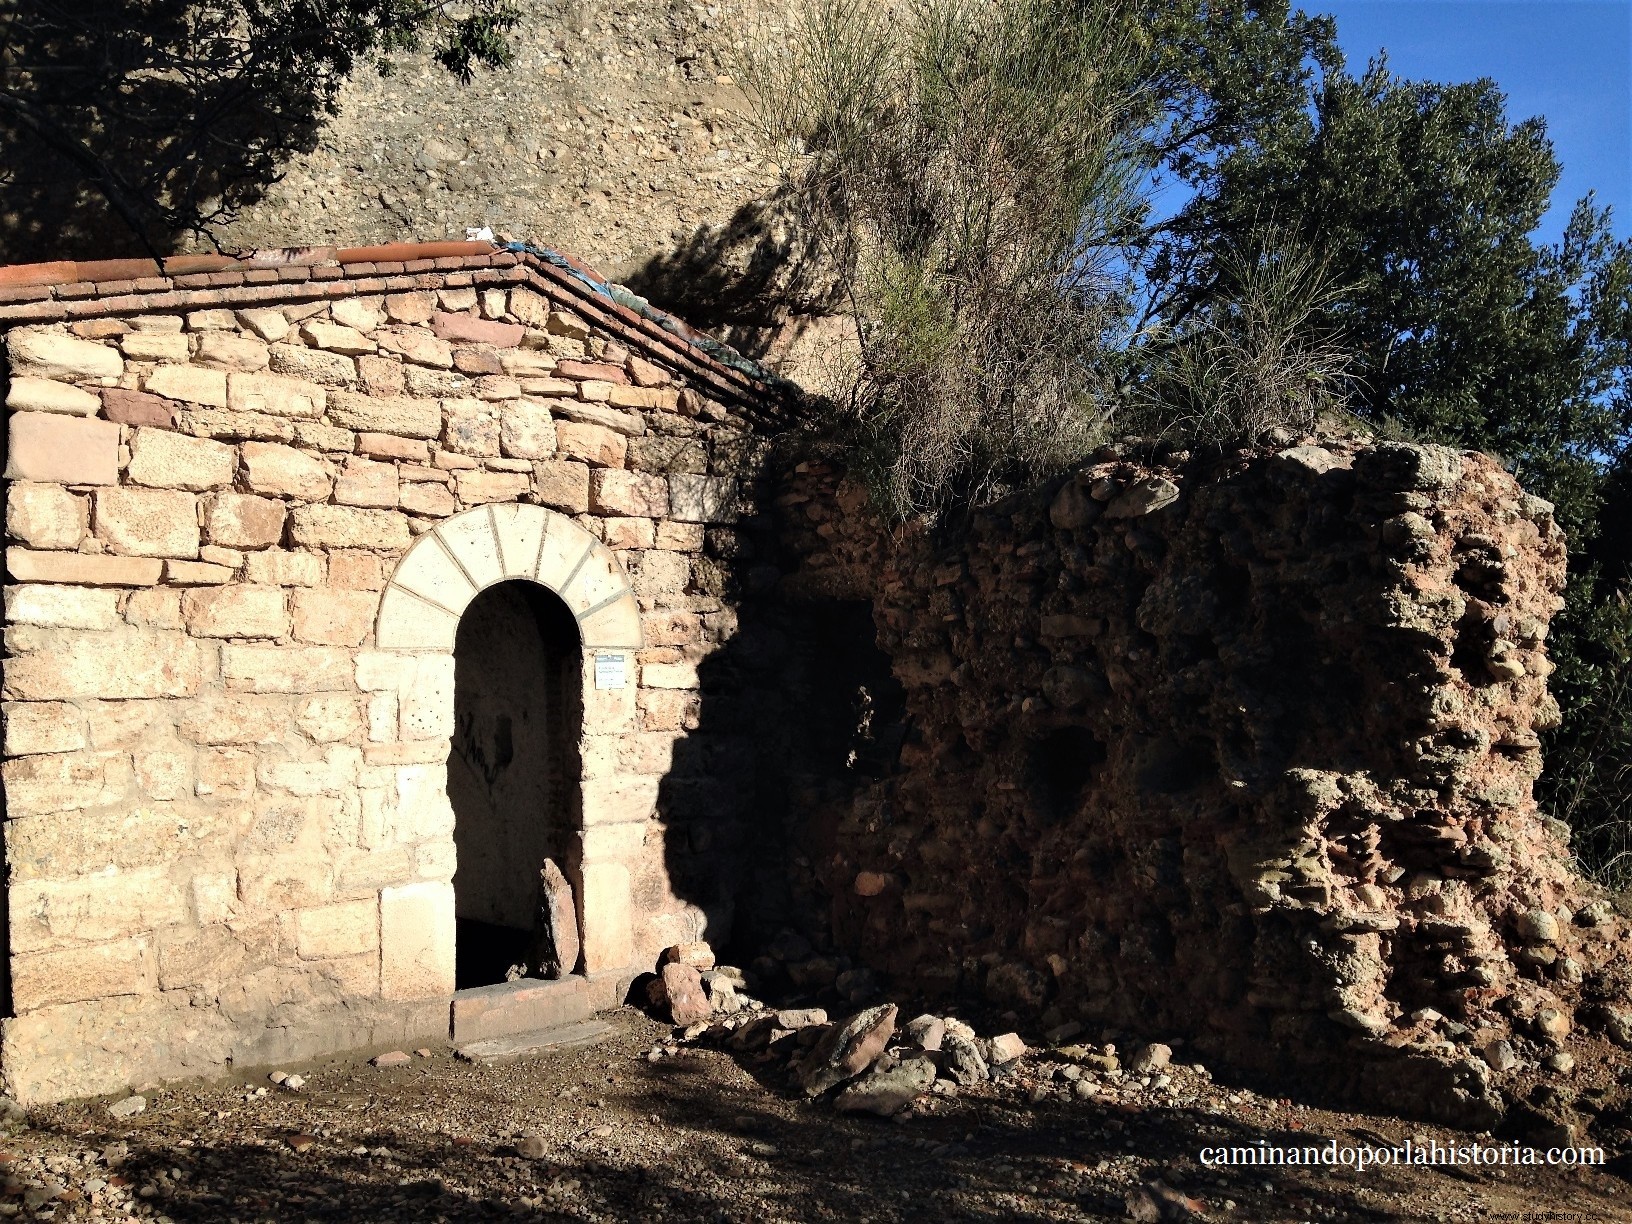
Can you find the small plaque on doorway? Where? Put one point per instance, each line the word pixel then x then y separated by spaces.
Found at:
pixel 610 671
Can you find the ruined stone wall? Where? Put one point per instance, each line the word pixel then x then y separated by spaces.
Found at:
pixel 1236 749
pixel 242 517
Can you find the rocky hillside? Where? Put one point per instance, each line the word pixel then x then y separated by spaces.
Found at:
pixel 615 135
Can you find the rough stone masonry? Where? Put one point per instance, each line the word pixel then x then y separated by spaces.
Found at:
pixel 1235 747
pixel 246 504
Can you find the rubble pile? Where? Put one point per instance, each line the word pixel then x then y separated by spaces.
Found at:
pixel 1236 746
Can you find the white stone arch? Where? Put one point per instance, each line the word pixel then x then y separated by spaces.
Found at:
pixel 462 556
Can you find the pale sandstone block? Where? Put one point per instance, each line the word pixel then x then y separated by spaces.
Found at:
pixel 359 314
pixel 412 418
pixel 161 458
pixel 45 515
pixel 619 799
pixel 661 576
pixel 271 468
pixel 702 499
pixel 624 533
pixel 342 929
pixel 335 775
pixel 234 718
pixel 315 365
pixel 426 703
pixel 678 537
pixel 668 675
pixel 336 338
pixel 425 752
pixel 57 913
pixel 379 670
pixel 190 384
pixel 239 520
pixel 225 773
pixel 197 573
pixel 64 782
pixel 315 435
pixel 276 395
pixel 333 618
pixel 595 391
pixel 527 430
pixel 643 397
pixel 416 941
pixel 210 956
pixel 135 522
pixel 382 718
pixel 123 724
pixel 269 325
pixel 240 611
pixel 409 307
pixel 355 571
pixel 531 364
pixel 52 448
pixel 636 494
pixel 616 624
pixel 26 566
pixel 217 554
pixel 669 710
pixel 423 811
pixel 607 908
pixel 594 444
pixel 451 462
pixel 644 374
pixel 479 488
pixel 497 387
pixel 211 320
pixel 430 500
pixel 43 726
pixel 529 307
pixel 125 664
pixel 328 718
pixel 47 395
pixel 346 527
pixel 222 424
pixel 164 775
pixel 470 427
pixel 381 375
pixel 62 607
pixel 286 669
pixel 121 968
pixel 629 424
pixel 154 608
pixel 364 483
pixel 419 347
pixel 230 351
pixel 389 446
pixel 279 567
pixel 46 354
pixel 154 346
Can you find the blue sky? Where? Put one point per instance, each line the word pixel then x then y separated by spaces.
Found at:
pixel 1569 61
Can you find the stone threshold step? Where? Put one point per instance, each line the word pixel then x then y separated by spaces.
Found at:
pixel 527 1006
pixel 520 1045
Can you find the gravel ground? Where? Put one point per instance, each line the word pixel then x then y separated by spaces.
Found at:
pixel 706 1135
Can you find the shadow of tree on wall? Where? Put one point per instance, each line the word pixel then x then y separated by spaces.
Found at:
pixel 126 124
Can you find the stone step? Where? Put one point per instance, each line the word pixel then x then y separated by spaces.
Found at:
pixel 519 1045
pixel 528 1006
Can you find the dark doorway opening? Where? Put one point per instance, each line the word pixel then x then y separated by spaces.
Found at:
pixel 512 771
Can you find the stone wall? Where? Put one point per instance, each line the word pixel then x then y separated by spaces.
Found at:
pixel 244 512
pixel 1232 748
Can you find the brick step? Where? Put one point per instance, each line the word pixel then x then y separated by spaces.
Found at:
pixel 527 1006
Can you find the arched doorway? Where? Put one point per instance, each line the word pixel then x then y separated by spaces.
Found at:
pixel 513 774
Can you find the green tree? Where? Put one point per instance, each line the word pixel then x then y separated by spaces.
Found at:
pixel 166 116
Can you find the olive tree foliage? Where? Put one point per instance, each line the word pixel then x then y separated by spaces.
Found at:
pixel 972 168
pixel 125 124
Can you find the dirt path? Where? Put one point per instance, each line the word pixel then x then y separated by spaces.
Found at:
pixel 698 1137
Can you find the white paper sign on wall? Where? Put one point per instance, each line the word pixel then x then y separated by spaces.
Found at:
pixel 610 671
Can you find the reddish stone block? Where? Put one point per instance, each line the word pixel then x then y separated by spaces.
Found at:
pixel 468 328
pixel 477 362
pixel 591 370
pixel 24 293
pixel 410 250
pixel 152 284
pixel 137 408
pixel 261 276
pixel 39 273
